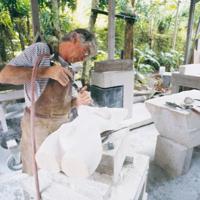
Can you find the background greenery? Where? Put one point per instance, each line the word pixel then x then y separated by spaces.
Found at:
pixel 153 31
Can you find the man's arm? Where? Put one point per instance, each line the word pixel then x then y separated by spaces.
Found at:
pixel 19 75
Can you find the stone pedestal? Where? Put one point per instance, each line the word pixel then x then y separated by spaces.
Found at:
pixel 179 130
pixel 173 157
pixel 112 84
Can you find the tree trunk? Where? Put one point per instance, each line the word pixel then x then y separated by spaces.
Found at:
pixel 92 22
pixel 151 30
pixel 176 26
pixel 56 21
pixel 111 29
pixel 35 17
pixel 7 33
pixel 93 15
pixel 128 43
pixel 3 53
pixel 189 33
pixel 28 30
pixel 21 37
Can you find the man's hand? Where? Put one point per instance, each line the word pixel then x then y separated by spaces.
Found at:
pixel 83 98
pixel 60 74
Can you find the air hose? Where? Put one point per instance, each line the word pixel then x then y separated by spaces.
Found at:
pixel 32 121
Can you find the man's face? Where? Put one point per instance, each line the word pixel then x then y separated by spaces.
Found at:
pixel 74 50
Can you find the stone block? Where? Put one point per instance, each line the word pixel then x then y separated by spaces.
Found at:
pixel 113 65
pixel 166 77
pixel 190 69
pixel 114 79
pixel 172 157
pixel 132 185
pixel 179 125
pixel 112 160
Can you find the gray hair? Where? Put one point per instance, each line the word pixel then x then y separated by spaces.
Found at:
pixel 86 37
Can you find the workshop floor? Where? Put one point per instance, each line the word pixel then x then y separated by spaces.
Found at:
pixel 160 186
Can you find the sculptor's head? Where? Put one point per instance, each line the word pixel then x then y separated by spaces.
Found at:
pixel 78 45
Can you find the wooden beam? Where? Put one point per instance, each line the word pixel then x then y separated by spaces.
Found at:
pixel 35 16
pixel 189 32
pixel 120 16
pixel 111 29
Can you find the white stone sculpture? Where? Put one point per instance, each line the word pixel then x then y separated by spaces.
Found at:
pixel 76 148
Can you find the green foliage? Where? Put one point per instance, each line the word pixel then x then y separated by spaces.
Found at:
pixel 146 61
pixel 153 29
pixel 101 34
pixel 15 30
pixel 69 3
pixel 47 19
pixel 103 4
pixel 101 55
pixel 5 20
pixel 162 42
pixel 164 24
pixel 171 60
pixel 17 8
pixel 121 5
pixel 63 3
pixel 47 28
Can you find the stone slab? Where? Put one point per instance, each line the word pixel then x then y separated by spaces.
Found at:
pixel 190 69
pixel 185 80
pixel 172 157
pixel 181 126
pixel 114 65
pixel 99 187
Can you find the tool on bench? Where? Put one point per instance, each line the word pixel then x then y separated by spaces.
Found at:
pixel 186 106
pixel 105 134
pixel 174 105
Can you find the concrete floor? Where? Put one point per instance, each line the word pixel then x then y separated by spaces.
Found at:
pixel 160 186
pixel 187 187
pixel 4 154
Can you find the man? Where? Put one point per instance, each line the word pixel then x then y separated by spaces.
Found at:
pixel 53 86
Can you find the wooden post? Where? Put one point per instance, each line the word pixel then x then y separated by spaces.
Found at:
pixel 111 29
pixel 93 15
pixel 35 16
pixel 189 32
pixel 128 43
